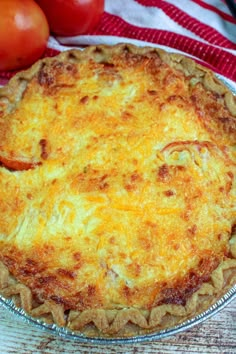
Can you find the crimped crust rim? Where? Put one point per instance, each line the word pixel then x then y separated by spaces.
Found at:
pixel 187 65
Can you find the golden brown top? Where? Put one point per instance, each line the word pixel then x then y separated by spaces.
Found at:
pixel 117 180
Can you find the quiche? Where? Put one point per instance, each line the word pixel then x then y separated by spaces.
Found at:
pixel 118 198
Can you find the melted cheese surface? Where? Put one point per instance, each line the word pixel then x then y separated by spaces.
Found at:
pixel 114 187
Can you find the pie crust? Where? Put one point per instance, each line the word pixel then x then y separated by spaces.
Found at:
pixel 156 271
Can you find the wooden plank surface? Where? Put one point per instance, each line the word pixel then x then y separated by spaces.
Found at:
pixel 216 335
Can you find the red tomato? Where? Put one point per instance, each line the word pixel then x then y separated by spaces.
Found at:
pixel 72 17
pixel 24 33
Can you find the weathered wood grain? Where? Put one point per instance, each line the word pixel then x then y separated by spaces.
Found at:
pixel 216 335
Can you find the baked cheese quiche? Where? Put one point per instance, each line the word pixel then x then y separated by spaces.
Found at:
pixel 118 192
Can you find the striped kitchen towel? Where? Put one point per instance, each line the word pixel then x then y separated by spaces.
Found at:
pixel 202 29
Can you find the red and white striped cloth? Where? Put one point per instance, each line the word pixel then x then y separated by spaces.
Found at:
pixel 202 29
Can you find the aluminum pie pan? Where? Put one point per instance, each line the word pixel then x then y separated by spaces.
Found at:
pixel 156 335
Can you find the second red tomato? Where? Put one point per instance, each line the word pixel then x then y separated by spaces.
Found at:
pixel 72 17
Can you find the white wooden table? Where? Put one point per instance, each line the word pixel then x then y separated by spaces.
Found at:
pixel 216 335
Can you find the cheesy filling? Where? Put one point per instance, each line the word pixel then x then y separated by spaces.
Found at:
pixel 112 189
